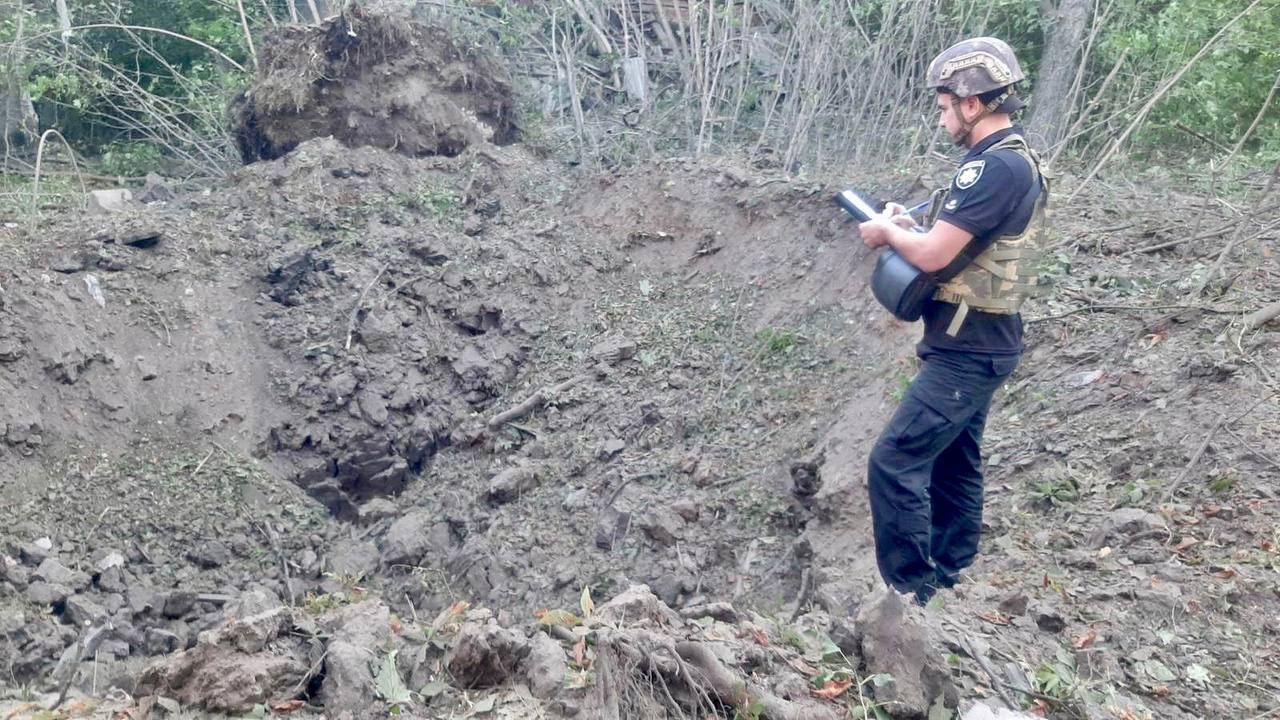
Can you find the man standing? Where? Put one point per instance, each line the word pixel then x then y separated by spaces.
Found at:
pixel 982 246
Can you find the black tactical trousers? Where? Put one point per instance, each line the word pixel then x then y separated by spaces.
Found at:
pixel 925 472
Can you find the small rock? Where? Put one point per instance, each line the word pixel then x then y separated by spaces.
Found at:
pixel 140 599
pixel 347 690
pixel 178 603
pixel 545 666
pixel 146 368
pixel 16 574
pixel 250 634
pixel 1124 522
pixel 485 654
pixel 34 553
pixel 112 559
pixel 53 571
pixel 113 649
pixel 579 499
pixel 614 350
pixel 111 602
pixel 67 264
pixel 112 580
pixel 104 202
pixel 511 483
pixel 414 537
pixel 308 559
pixel 1014 605
pixel 687 509
pixel 162 642
pixel 845 636
pixel 722 611
pixel 44 593
pixel 377 509
pixel 155 190
pixel 662 525
pixel 637 603
pixel 222 680
pixel 253 601
pixel 1081 379
pixel 611 527
pixel 352 559
pixel 610 449
pixel 209 554
pixel 82 612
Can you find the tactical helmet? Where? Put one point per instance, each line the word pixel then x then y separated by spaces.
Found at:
pixel 976 66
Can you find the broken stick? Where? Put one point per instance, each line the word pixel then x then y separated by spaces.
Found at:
pixel 535 401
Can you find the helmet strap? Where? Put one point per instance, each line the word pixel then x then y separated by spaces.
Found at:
pixel 966 126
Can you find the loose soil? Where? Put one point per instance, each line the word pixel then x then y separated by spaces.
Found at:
pixel 371 386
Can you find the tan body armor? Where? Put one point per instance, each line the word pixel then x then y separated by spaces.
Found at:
pixel 1004 275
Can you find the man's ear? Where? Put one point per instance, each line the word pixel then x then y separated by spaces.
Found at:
pixel 971 106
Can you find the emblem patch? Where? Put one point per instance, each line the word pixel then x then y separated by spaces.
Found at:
pixel 969 174
pixel 952 204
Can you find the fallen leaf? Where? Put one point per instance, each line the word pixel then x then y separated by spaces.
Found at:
pixel 580 652
pixel 1226 573
pixel 433 689
pixel 288 706
pixel 21 709
pixel 995 618
pixel 1198 673
pixel 1185 544
pixel 1085 639
pixel 388 684
pixel 1160 691
pixel 588 605
pixel 1211 509
pixel 761 639
pixel 832 689
pixel 396 626
pixel 549 618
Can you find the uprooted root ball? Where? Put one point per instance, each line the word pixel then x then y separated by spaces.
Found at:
pixel 373 79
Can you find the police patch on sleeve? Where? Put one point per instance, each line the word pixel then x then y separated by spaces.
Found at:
pixel 969 174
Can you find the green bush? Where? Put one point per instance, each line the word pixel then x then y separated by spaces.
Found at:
pixel 130 159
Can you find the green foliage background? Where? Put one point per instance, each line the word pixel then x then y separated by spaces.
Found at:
pixel 1219 98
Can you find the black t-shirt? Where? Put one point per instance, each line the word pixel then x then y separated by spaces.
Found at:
pixel 987 188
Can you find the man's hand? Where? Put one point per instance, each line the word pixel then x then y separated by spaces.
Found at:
pixel 897 214
pixel 875 232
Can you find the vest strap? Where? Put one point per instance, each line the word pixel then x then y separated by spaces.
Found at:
pixel 1014 254
pixel 962 311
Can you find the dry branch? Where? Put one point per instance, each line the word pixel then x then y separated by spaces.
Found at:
pixel 145 28
pixel 1156 98
pixel 735 691
pixel 535 401
pixel 1261 317
pixel 1204 445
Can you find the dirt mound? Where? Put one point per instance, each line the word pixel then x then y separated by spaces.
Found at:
pixel 373 79
pixel 505 382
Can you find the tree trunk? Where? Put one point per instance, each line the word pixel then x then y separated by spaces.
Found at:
pixel 1050 99
pixel 64 20
pixel 17 114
